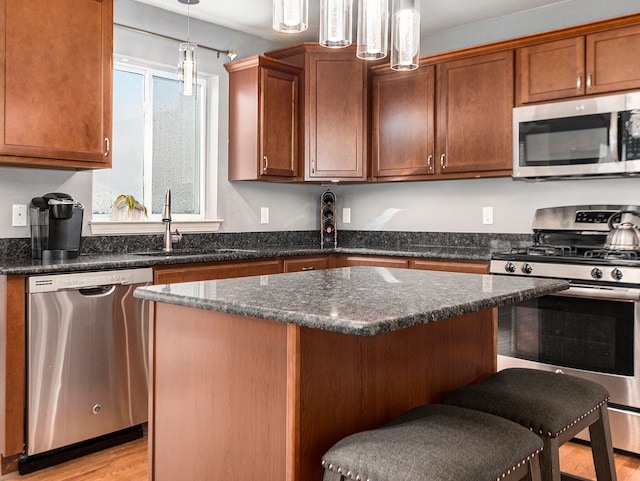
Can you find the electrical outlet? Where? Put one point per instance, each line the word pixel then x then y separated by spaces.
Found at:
pixel 487 215
pixel 346 215
pixel 19 215
pixel 264 215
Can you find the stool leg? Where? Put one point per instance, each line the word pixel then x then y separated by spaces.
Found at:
pixel 550 459
pixel 601 447
pixel 534 469
pixel 332 476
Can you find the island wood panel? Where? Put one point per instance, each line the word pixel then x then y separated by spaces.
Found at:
pixel 12 374
pixel 245 398
pixel 474 267
pixel 377 261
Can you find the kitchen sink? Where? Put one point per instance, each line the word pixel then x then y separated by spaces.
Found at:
pixel 185 252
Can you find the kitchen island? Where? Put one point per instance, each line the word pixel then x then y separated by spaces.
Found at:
pixel 254 378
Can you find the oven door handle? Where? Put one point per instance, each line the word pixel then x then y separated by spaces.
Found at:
pixel 591 292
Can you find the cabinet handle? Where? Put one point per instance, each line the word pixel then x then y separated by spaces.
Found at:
pixel 266 163
pixel 429 159
pixel 108 144
pixel 579 82
pixel 589 81
pixel 307 268
pixel 443 164
pixel 313 167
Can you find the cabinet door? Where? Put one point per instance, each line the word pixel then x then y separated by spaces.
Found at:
pixel 613 60
pixel 335 116
pixel 403 123
pixel 55 97
pixel 551 70
pixel 473 267
pixel 199 272
pixel 279 123
pixel 475 101
pixel 306 263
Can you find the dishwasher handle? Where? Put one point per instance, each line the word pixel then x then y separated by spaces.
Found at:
pixel 97 291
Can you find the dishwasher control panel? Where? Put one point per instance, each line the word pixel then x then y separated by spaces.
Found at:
pixel 82 280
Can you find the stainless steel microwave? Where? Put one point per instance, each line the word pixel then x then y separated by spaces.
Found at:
pixel 586 137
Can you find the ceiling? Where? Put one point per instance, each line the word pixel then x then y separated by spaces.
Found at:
pixel 254 16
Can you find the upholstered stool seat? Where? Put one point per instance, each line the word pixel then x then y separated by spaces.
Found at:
pixel 554 406
pixel 437 443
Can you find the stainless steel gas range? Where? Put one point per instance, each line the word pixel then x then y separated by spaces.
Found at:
pixel 591 330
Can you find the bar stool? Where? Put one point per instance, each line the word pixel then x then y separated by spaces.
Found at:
pixel 554 406
pixel 437 443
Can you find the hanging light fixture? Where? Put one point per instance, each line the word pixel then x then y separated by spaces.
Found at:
pixel 290 16
pixel 335 23
pixel 373 29
pixel 405 34
pixel 187 66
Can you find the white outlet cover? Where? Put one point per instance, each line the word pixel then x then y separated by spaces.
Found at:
pixel 346 215
pixel 264 215
pixel 19 215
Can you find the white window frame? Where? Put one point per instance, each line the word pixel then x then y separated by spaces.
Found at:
pixel 203 222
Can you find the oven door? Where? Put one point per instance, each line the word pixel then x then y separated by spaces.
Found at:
pixel 588 332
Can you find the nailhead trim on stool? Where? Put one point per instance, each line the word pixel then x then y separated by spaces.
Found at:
pixel 555 406
pixel 436 443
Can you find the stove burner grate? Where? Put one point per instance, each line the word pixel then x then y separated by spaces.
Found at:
pixel 611 254
pixel 545 250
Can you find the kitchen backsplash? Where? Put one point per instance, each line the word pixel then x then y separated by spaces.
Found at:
pixel 21 247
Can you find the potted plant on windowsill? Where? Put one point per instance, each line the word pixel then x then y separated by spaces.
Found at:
pixel 127 208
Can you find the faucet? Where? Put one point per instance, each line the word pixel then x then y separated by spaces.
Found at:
pixel 169 238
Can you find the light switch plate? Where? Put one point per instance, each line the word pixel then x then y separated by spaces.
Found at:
pixel 487 215
pixel 264 215
pixel 346 215
pixel 19 218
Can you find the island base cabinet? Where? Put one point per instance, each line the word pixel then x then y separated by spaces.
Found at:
pixel 243 398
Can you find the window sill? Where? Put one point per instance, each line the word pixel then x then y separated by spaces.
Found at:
pixel 152 227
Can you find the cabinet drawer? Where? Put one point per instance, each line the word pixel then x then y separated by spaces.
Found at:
pixel 472 267
pixel 306 264
pixel 194 273
pixel 352 261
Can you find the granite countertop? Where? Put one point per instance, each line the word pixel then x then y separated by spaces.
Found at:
pixel 361 301
pixel 87 262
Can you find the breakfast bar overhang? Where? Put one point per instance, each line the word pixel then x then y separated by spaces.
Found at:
pixel 255 378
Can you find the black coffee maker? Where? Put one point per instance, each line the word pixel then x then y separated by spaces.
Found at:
pixel 56 226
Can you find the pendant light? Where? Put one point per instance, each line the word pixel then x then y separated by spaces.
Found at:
pixel 187 66
pixel 373 29
pixel 290 16
pixel 405 34
pixel 335 23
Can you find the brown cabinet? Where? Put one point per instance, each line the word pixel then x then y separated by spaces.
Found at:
pixel 204 272
pixel 297 264
pixel 56 88
pixel 473 267
pixel 334 111
pixel 475 102
pixel 263 119
pixel 403 123
pixel 377 261
pixel 472 131
pixel 597 63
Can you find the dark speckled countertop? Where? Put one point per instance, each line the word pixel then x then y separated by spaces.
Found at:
pixel 88 262
pixel 354 300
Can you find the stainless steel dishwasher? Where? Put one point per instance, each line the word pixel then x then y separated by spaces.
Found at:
pixel 87 357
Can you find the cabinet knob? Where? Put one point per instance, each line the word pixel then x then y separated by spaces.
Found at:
pixel 266 163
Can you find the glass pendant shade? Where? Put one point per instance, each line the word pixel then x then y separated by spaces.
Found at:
pixel 335 23
pixel 187 68
pixel 373 29
pixel 405 34
pixel 290 16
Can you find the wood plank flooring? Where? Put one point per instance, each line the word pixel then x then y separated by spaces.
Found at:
pixel 128 462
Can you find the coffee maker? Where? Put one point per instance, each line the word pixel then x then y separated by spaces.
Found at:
pixel 56 226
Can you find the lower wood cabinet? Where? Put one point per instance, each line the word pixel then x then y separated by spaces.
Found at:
pixel 473 267
pixel 210 271
pixel 298 264
pixel 376 261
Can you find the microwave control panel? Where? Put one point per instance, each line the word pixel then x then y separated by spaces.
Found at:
pixel 631 134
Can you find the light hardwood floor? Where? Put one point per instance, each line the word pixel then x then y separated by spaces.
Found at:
pixel 128 462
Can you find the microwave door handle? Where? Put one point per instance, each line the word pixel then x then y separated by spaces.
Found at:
pixel 614 137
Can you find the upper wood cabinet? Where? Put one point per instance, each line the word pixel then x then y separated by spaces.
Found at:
pixel 334 111
pixel 597 63
pixel 403 123
pixel 475 102
pixel 56 87
pixel 263 119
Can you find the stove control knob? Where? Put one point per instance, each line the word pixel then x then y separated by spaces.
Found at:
pixel 596 273
pixel 526 268
pixel 510 267
pixel 616 274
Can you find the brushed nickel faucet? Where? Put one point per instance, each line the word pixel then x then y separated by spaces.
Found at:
pixel 169 238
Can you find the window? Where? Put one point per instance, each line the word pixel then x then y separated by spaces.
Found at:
pixel 158 144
